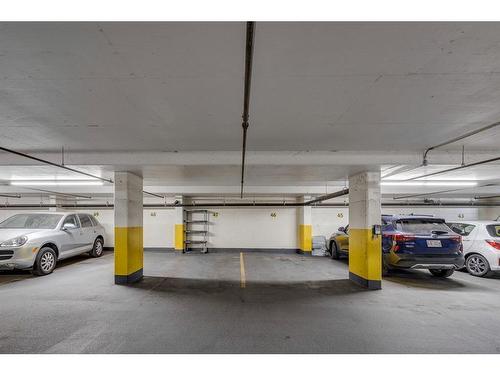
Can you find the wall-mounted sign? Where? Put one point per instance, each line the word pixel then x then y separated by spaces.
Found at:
pixel 273 214
pixel 215 214
pixel 340 214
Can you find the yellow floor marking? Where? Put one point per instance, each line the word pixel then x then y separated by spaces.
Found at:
pixel 243 280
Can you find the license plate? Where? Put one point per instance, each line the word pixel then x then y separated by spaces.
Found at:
pixel 434 243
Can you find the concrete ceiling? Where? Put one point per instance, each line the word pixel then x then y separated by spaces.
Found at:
pixel 355 90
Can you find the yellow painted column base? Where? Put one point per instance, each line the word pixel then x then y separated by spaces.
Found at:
pixel 365 258
pixel 305 237
pixel 129 254
pixel 179 236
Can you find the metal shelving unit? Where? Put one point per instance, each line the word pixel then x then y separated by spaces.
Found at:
pixel 196 226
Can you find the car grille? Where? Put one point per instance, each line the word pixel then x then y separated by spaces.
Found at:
pixel 6 254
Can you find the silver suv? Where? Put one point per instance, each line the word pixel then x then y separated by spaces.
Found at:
pixel 38 240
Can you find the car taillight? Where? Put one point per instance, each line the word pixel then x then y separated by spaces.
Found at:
pixel 403 237
pixel 398 238
pixel 494 243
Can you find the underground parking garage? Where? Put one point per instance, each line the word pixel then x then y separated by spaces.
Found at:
pixel 249 187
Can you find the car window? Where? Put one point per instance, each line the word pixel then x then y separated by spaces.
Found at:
pixel 387 226
pixel 493 230
pixel 85 220
pixel 462 229
pixel 72 220
pixel 94 221
pixel 422 226
pixel 31 221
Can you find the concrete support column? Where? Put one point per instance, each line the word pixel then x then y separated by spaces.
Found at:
pixel 128 228
pixel 179 226
pixel 365 254
pixel 304 231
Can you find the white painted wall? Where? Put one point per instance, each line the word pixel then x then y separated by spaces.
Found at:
pixel 254 228
pixel 257 227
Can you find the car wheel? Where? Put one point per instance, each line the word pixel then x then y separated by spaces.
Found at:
pixel 45 261
pixel 98 248
pixel 334 252
pixel 385 267
pixel 442 273
pixel 477 265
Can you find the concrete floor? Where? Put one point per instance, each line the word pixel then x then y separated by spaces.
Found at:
pixel 291 304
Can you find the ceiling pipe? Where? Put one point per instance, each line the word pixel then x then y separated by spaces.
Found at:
pixel 153 194
pixel 246 99
pixel 323 205
pixel 223 204
pixel 60 194
pixel 459 138
pixel 10 195
pixel 487 197
pixel 67 168
pixel 54 164
pixel 455 168
pixel 447 191
pixel 426 152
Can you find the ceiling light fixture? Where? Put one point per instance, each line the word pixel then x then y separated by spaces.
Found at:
pixel 56 183
pixel 428 183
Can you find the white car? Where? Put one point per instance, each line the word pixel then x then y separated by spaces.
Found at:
pixel 37 241
pixel 481 242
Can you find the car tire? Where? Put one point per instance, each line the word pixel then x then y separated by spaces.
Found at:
pixel 477 265
pixel 386 270
pixel 442 273
pixel 45 262
pixel 97 249
pixel 334 252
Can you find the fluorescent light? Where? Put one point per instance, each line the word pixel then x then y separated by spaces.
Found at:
pixel 56 183
pixel 428 183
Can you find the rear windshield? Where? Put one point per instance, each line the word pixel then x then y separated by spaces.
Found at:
pixel 493 230
pixel 462 229
pixel 31 221
pixel 422 226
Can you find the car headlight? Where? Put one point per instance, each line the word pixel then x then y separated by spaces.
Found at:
pixel 15 242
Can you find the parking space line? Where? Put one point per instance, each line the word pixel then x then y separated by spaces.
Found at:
pixel 242 272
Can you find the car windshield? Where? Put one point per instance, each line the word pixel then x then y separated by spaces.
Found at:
pixel 422 226
pixel 493 230
pixel 31 221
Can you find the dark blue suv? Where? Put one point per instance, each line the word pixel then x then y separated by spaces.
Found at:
pixel 410 241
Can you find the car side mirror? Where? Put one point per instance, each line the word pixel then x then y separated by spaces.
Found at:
pixel 341 229
pixel 68 226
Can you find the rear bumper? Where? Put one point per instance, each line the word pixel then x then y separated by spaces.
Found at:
pixel 426 262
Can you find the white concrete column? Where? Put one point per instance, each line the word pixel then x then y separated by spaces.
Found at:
pixel 179 227
pixel 128 228
pixel 365 251
pixel 304 229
